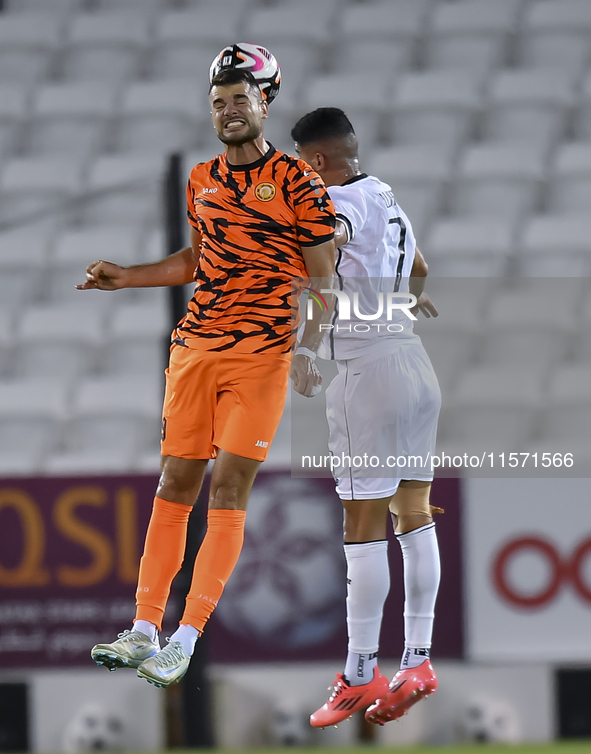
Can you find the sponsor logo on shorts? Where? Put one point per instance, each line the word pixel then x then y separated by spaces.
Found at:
pixel 261 444
pixel 210 190
pixel 264 192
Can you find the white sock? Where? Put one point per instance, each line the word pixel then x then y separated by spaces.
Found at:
pixel 147 628
pixel 368 584
pixel 187 635
pixel 359 668
pixel 422 572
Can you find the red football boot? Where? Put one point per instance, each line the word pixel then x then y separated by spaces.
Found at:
pixel 345 700
pixel 407 688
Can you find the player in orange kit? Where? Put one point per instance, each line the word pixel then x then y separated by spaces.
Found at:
pixel 259 218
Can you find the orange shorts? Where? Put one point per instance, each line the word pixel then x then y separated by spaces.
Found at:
pixel 226 400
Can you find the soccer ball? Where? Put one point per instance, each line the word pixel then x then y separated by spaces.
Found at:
pixel 484 720
pixel 93 729
pixel 256 59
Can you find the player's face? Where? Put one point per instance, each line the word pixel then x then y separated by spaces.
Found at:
pixel 237 112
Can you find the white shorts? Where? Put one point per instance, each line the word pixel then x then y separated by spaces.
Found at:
pixel 382 414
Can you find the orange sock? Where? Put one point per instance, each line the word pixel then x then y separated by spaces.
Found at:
pixel 164 551
pixel 214 563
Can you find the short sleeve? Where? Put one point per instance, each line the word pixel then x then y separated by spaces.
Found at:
pixel 350 208
pixel 191 211
pixel 315 215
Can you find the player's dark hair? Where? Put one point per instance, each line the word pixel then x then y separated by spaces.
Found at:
pixel 323 123
pixel 229 76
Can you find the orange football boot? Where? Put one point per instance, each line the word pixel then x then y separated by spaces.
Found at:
pixel 345 700
pixel 407 688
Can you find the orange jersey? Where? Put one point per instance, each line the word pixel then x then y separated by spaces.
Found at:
pixel 253 221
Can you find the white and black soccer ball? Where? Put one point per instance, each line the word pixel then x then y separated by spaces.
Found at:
pixel 254 58
pixel 94 729
pixel 484 720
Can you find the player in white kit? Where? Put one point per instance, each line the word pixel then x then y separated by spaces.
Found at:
pixel 383 405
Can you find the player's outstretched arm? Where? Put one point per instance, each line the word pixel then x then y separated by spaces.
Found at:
pixel 177 269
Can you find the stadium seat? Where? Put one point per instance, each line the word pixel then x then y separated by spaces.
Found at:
pixel 210 26
pixel 58 341
pixel 569 187
pixel 502 178
pixel 523 327
pixel 371 55
pixel 390 19
pixel 76 249
pixel 494 407
pixel 23 259
pixel 529 105
pixel 434 107
pixel 364 100
pixel 556 246
pixel 31 412
pixel 39 189
pixel 568 405
pixel 474 34
pixel 582 118
pixel 71 118
pixel 469 247
pixel 417 176
pixel 124 189
pixel 105 46
pixel 159 116
pixel 55 7
pixel 291 22
pixel 555 34
pixel 111 418
pixel 137 339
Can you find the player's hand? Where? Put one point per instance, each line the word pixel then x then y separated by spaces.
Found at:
pixel 105 276
pixel 425 306
pixel 305 375
pixel 435 509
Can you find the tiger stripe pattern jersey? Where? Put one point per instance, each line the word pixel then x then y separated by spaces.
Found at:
pixel 254 220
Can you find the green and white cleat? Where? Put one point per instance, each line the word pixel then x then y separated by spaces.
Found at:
pixel 129 650
pixel 166 667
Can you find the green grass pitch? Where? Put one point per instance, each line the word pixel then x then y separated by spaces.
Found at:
pixel 558 747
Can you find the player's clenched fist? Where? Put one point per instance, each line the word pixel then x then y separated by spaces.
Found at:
pixel 105 276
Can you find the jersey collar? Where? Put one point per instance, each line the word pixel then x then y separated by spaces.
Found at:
pixel 257 163
pixel 354 179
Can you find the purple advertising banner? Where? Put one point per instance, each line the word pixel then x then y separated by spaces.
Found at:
pixel 70 550
pixel 69 555
pixel 286 598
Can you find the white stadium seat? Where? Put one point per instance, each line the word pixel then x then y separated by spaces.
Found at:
pixel 556 245
pixel 393 19
pixel 469 247
pixel 417 176
pixel 570 181
pixel 58 341
pixel 555 33
pixel 23 259
pixel 434 107
pixel 529 105
pixel 470 33
pixel 137 339
pixel 105 46
pixel 494 407
pixel 504 179
pixel 582 125
pixel 160 116
pixel 71 117
pixel 125 189
pixel 568 401
pixel 39 189
pixel 290 23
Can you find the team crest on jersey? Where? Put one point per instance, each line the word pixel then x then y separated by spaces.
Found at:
pixel 264 192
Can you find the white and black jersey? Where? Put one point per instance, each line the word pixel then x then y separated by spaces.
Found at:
pixel 376 259
pixel 384 403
